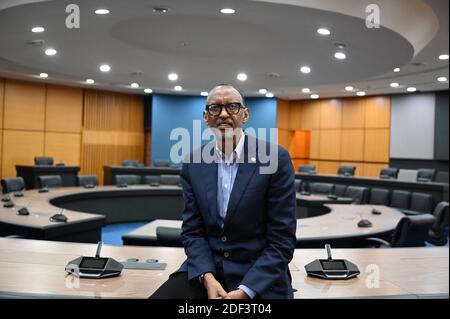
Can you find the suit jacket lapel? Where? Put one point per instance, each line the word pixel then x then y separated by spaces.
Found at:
pixel 209 171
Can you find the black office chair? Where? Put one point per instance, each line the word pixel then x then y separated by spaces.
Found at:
pixel 357 193
pixel 130 163
pixel 161 163
pixel 170 179
pixel 13 184
pixel 309 169
pixel 346 170
pixel 49 181
pixel 420 204
pixel 389 173
pixel 438 234
pixel 168 236
pixel 339 190
pixel 87 180
pixel 400 199
pixel 298 183
pixel 128 179
pixel 321 188
pixel 379 196
pixel 152 179
pixel 426 175
pixel 43 160
pixel 441 177
pixel 411 231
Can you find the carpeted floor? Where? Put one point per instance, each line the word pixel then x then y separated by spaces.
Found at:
pixel 112 234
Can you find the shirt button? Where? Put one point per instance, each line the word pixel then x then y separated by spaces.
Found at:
pixel 226 185
pixel 224 238
pixel 226 254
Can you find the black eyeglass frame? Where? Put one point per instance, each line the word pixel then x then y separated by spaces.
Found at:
pixel 226 106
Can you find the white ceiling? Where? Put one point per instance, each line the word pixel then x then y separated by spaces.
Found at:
pixel 207 48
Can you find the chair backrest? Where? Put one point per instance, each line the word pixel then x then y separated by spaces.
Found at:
pixel 346 170
pixel 87 180
pixel 161 163
pixel 442 177
pixel 168 236
pixel 379 196
pixel 400 199
pixel 170 179
pixel 13 184
pixel 339 190
pixel 49 181
pixel 357 193
pixel 437 232
pixel 407 175
pixel 150 179
pixel 43 160
pixel 298 183
pixel 128 179
pixel 307 168
pixel 412 231
pixel 389 172
pixel 426 175
pixel 321 188
pixel 130 163
pixel 421 202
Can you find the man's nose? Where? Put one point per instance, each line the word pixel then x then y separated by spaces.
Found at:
pixel 224 113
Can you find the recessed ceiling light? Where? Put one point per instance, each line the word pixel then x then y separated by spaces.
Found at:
pixel 262 91
pixel 394 85
pixel 305 69
pixel 306 90
pixel 349 88
pixel 50 51
pixel 148 91
pixel 104 68
pixel 172 76
pixel 90 81
pixel 242 77
pixel 314 96
pixel 396 70
pixel 269 94
pixel 442 79
pixel 443 57
pixel 340 55
pixel 37 29
pixel 360 93
pixel 160 10
pixel 227 11
pixel 323 31
pixel 43 75
pixel 204 93
pixel 177 88
pixel 134 85
pixel 101 11
pixel 411 89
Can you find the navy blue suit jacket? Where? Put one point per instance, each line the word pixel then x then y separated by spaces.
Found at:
pixel 258 238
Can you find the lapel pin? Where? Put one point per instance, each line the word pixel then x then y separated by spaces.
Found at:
pixel 253 159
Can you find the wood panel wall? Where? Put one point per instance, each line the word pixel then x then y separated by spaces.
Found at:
pixel 74 126
pixel 346 131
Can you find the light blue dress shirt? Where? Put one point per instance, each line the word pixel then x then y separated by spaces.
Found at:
pixel 226 174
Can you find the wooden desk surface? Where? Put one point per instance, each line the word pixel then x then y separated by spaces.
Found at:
pixel 36 268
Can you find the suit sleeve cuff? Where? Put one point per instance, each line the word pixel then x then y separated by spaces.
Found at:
pixel 250 293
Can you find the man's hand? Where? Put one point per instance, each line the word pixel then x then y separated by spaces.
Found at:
pixel 214 288
pixel 237 294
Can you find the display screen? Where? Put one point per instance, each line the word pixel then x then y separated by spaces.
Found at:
pixel 95 263
pixel 333 265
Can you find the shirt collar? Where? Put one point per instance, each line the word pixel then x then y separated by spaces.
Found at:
pixel 237 151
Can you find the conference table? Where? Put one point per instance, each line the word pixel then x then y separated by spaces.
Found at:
pixel 110 172
pixel 30 173
pixel 35 269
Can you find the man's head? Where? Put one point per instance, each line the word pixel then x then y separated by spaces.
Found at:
pixel 225 110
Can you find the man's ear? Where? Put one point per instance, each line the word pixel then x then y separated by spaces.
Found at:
pixel 205 117
pixel 245 115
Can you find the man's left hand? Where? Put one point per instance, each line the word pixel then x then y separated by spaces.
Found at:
pixel 237 294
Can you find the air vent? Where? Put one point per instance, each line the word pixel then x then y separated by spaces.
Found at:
pixel 160 10
pixel 417 64
pixel 137 73
pixel 36 42
pixel 273 75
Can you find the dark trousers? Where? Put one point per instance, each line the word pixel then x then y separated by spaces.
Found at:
pixel 179 287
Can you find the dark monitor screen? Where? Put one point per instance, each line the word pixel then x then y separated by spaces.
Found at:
pixel 95 263
pixel 333 265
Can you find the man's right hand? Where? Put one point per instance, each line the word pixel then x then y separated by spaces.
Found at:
pixel 214 288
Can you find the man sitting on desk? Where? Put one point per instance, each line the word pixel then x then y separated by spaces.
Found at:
pixel 238 222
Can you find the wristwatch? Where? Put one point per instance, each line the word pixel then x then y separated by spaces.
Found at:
pixel 201 278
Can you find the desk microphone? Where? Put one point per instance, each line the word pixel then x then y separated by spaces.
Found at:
pixel 6 198
pixel 331 195
pixel 43 189
pixel 59 217
pixel 18 194
pixel 23 211
pixel 364 223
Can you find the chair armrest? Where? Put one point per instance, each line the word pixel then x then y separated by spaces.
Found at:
pixel 377 243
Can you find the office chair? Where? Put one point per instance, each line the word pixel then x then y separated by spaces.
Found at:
pixel 357 193
pixel 130 163
pixel 420 204
pixel 339 190
pixel 400 199
pixel 438 233
pixel 321 188
pixel 298 183
pixel 426 175
pixel 49 181
pixel 87 180
pixel 379 196
pixel 13 184
pixel 411 231
pixel 170 179
pixel 168 236
pixel 346 170
pixel 389 173
pixel 161 163
pixel 309 169
pixel 128 179
pixel 442 177
pixel 152 179
pixel 42 160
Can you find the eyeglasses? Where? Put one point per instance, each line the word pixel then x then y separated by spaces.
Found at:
pixel 216 109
